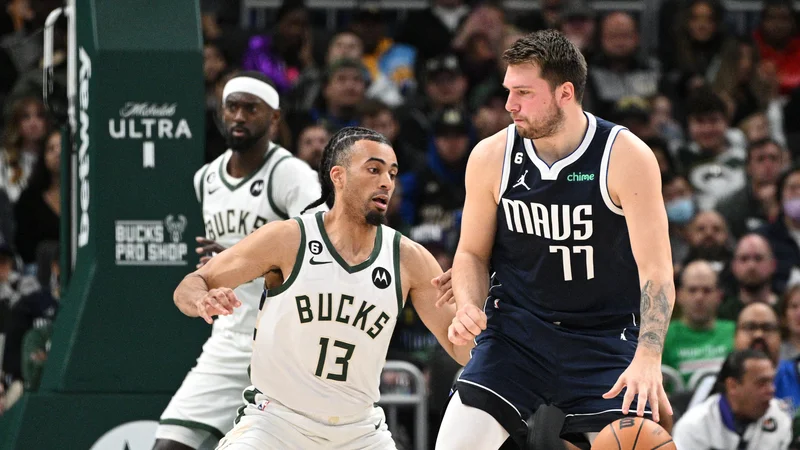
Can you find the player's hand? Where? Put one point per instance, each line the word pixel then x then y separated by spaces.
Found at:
pixel 217 302
pixel 643 378
pixel 444 288
pixel 207 246
pixel 467 324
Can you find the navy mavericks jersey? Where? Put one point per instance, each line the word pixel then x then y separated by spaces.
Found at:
pixel 562 249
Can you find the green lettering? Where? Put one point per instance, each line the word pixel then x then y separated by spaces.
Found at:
pixel 339 318
pixel 325 317
pixel 378 327
pixel 304 308
pixel 362 315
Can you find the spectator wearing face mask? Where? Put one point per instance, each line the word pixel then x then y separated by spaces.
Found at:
pixel 680 205
pixel 784 234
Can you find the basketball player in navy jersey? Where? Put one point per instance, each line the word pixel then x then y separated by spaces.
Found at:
pixel 564 210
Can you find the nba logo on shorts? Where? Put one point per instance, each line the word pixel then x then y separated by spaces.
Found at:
pixel 263 405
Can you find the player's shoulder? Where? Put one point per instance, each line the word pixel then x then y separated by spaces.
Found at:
pixel 284 162
pixel 283 231
pixel 628 145
pixel 492 148
pixel 409 249
pixel 212 166
pixel 415 259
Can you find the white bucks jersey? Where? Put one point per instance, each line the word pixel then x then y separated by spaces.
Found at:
pixel 234 208
pixel 321 339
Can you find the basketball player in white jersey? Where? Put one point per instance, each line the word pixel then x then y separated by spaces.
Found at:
pixel 254 183
pixel 321 337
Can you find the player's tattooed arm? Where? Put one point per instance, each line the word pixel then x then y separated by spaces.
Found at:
pixel 656 310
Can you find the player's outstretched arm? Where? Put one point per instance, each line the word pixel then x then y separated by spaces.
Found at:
pixel 208 291
pixel 418 268
pixel 634 182
pixel 478 223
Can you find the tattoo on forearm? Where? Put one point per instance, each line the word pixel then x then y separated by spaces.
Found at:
pixel 655 311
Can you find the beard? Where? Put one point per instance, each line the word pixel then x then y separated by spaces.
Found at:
pixel 753 284
pixel 543 128
pixel 243 143
pixel 760 344
pixel 375 218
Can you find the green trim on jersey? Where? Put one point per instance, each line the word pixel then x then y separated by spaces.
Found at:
pixel 376 247
pixel 298 262
pixel 222 171
pixel 272 204
pixel 193 425
pixel 203 184
pixel 249 396
pixel 396 258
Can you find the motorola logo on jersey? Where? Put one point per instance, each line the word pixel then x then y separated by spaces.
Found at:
pixel 257 188
pixel 559 222
pixel 381 278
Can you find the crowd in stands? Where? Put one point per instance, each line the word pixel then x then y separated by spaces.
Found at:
pixel 718 108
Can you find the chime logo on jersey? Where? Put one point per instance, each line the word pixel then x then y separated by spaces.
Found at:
pixel 257 188
pixel 381 278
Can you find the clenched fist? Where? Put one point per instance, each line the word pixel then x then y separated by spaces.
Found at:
pixel 467 324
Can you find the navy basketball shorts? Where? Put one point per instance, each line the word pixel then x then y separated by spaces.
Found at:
pixel 522 361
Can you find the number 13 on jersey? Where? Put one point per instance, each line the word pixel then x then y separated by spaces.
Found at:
pixel 566 258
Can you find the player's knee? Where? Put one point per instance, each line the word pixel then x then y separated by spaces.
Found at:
pixel 166 444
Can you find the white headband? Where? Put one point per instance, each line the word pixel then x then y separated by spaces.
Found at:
pixel 252 86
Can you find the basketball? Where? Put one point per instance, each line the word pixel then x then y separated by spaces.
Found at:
pixel 633 433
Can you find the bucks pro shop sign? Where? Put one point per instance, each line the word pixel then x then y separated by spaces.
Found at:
pixel 151 242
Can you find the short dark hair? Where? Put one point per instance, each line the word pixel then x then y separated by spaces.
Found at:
pixel 755 145
pixel 785 178
pixel 372 108
pixel 705 101
pixel 733 367
pixel 336 153
pixel 558 59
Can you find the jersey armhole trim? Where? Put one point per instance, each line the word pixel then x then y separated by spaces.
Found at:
pixel 396 257
pixel 272 204
pixel 298 263
pixel 507 159
pixel 202 185
pixel 612 136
